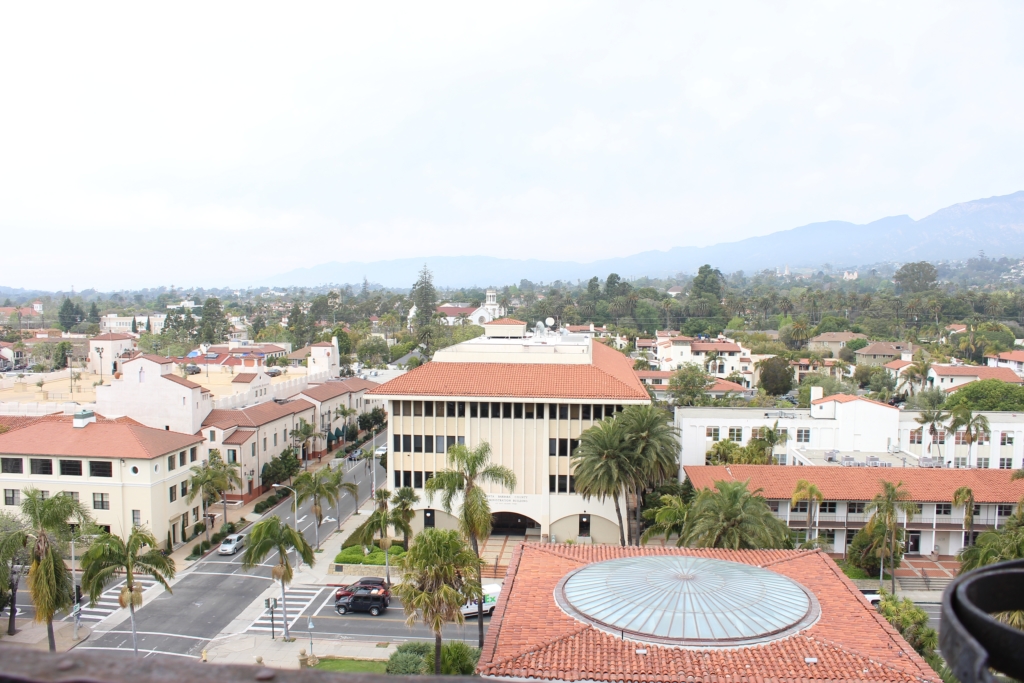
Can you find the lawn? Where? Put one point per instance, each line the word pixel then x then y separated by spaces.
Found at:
pixel 855 572
pixel 351 666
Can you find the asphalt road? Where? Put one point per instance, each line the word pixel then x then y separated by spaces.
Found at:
pixel 214 591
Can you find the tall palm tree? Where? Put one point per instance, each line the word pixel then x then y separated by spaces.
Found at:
pixel 316 486
pixel 272 535
pixel 733 517
pixel 975 426
pixel 48 523
pixel 344 413
pixel 885 508
pixel 302 433
pixel 227 477
pixel 467 470
pixel 655 442
pixel 669 518
pixel 440 573
pixel 935 421
pixel 341 487
pixel 13 560
pixel 403 501
pixel 382 519
pixel 206 483
pixel 604 466
pixel 110 556
pixel 964 496
pixel 772 438
pixel 805 490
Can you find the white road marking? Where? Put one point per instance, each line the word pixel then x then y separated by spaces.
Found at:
pixel 157 633
pixel 298 600
pixel 108 602
pixel 241 576
pixel 128 649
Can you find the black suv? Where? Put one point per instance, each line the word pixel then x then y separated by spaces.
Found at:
pixel 361 601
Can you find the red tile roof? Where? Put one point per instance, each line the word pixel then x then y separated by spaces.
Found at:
pixel 722 386
pixel 979 371
pixel 455 311
pixel 653 374
pixel 102 439
pixel 897 364
pixel 321 344
pixel 507 321
pixel 846 398
pixel 1010 355
pixel 326 391
pixel 884 349
pixel 531 637
pixel 185 382
pixel 610 376
pixel 359 384
pixel 154 358
pixel 112 336
pixel 255 416
pixel 243 378
pixel 862 483
pixel 714 346
pixel 239 437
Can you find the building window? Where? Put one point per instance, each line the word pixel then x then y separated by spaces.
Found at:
pixel 396 442
pixel 11 465
pixel 253 447
pixel 417 480
pixel 213 435
pixel 584 527
pixel 71 468
pixel 598 412
pixel 855 508
pixel 736 434
pixel 428 519
pixel 1006 463
pixel 552 446
pixel 586 416
pixel 398 479
pixel 563 446
pixel 960 438
pixel 943 508
pixel 181 458
pixel 799 507
pixel 12 497
pixel 939 437
pixel 40 466
pixel 171 463
pixel 101 501
pixel 712 433
pixel 407 443
pixel 264 444
pixel 563 483
pixel 773 505
pixel 916 437
pixel 827 507
pixel 233 455
pixel 428 443
pixel 563 411
pixel 101 469
pixel 757 432
pixel 960 462
pixel 1006 439
pixel 192 454
pixel 136 517
pixel 517 411
pixel 983 463
pixel 803 436
pixel 73 495
pixel 407 479
pixel 439 444
pixel 275 439
pixel 184 489
pixel 484 410
pixel 983 438
pixel 1004 510
pixel 449 409
pixel 174 493
pixel 417 444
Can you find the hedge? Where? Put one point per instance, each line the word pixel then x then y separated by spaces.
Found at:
pixel 354 555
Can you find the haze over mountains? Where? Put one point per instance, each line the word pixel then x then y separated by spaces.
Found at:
pixel 995 225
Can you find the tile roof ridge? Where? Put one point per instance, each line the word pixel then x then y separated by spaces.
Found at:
pixel 142 445
pixel 800 554
pixel 537 647
pixel 909 653
pixel 491 639
pixel 558 552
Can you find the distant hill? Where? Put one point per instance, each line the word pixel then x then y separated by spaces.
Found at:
pixel 995 225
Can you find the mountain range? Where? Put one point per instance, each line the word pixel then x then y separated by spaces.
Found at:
pixel 994 225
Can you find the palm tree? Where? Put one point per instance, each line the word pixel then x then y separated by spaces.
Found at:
pixel 604 466
pixel 110 556
pixel 340 487
pixel 302 433
pixel 670 518
pixel 467 470
pixel 272 535
pixel 13 560
pixel 885 508
pixel 382 518
pixel 733 517
pixel 805 490
pixel 316 486
pixel 975 426
pixel 226 478
pixel 964 496
pixel 721 452
pixel 655 442
pixel 344 413
pixel 933 419
pixel 440 578
pixel 206 483
pixel 403 501
pixel 47 525
pixel 772 438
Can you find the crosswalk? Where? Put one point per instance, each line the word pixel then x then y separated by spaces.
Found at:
pixel 298 600
pixel 107 604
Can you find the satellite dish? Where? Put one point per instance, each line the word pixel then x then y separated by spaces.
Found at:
pixel 549 322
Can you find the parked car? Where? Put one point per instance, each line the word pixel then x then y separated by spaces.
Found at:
pixel 381 450
pixel 356 454
pixel 491 593
pixel 363 600
pixel 231 544
pixel 872 596
pixel 274 372
pixel 192 369
pixel 376 585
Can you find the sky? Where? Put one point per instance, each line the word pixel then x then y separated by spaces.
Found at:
pixel 213 144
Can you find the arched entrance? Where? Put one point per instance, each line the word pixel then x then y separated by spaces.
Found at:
pixel 511 524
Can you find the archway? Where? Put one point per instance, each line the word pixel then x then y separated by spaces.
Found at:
pixel 511 524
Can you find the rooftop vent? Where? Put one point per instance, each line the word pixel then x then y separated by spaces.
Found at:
pixel 82 418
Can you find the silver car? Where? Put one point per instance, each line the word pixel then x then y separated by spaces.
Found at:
pixel 231 544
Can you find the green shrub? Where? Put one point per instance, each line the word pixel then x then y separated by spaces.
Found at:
pixel 218 537
pixel 259 508
pixel 405 664
pixel 197 550
pixel 354 555
pixel 204 546
pixel 457 659
pixel 199 528
pixel 415 647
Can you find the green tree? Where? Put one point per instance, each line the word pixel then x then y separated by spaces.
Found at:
pixel 382 519
pixel 867 549
pixel 689 384
pixel 341 487
pixel 440 573
pixel 604 466
pixel 110 557
pixel 272 535
pixel 227 477
pixel 94 313
pixel 667 520
pixel 733 517
pixel 316 486
pixel 912 623
pixel 649 432
pixel 13 561
pixel 708 281
pixel 916 277
pixel 722 453
pixel 373 351
pixel 466 472
pixel 776 375
pixel 974 425
pixel 988 395
pixel 206 483
pixel 424 297
pixel 935 421
pixel 885 508
pixel 67 316
pixel 62 355
pixel 403 501
pixel 964 497
pixel 301 434
pixel 809 492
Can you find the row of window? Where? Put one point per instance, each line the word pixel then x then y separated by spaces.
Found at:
pixel 512 411
pixel 175 461
pixel 736 434
pixel 183 487
pixel 414 443
pixel 854 508
pixel 100 501
pixel 959 438
pixel 72 468
pixel 412 479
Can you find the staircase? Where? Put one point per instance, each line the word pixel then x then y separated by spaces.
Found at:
pixel 923 583
pixel 490 571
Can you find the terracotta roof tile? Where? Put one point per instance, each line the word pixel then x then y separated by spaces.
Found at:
pixel 1010 355
pixel 185 382
pixel 154 358
pixel 102 439
pixel 714 346
pixel 1003 374
pixel 239 437
pixel 610 376
pixel 897 364
pixel 112 336
pixel 507 321
pixel 256 415
pixel 722 386
pixel 846 398
pixel 862 483
pixel 850 641
pixel 243 378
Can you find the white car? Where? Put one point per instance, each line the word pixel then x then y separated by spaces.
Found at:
pixel 231 544
pixel 872 596
pixel 381 450
pixel 491 594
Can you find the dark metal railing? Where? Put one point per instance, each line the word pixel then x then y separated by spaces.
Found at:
pixel 972 641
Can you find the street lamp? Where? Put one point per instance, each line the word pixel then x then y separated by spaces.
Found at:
pixel 99 352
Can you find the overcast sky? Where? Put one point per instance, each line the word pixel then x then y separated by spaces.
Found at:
pixel 208 144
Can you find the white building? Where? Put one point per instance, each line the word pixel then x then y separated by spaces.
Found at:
pixel 529 397
pixel 113 322
pixel 1013 360
pixel 149 392
pixel 477 315
pixel 720 357
pixel 108 351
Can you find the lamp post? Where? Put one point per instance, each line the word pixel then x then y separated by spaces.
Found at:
pixel 295 515
pixel 99 352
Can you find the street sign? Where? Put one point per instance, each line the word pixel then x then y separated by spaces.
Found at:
pixel 309 624
pixel 76 609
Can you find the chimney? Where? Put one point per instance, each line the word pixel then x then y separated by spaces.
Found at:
pixel 82 418
pixel 816 393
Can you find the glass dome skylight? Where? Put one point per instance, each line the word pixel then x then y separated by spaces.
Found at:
pixel 687 601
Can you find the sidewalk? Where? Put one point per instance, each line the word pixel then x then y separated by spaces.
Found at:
pixel 32 635
pixel 276 654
